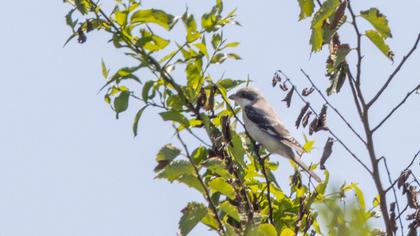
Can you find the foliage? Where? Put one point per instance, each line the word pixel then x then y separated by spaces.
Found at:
pixel 236 180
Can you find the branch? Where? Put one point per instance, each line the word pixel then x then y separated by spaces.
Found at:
pixel 394 192
pixel 329 130
pixel 359 44
pixel 396 108
pixel 197 172
pixel 395 72
pixel 406 168
pixel 330 105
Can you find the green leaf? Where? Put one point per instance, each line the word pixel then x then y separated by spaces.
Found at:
pixel 325 11
pixel 199 154
pixel 316 39
pixel 209 20
pixel 175 170
pixel 193 71
pixel 191 27
pixel 136 120
pixel 263 230
pixel 174 116
pixel 192 215
pixel 105 71
pixel 309 145
pixel 192 182
pixel 337 79
pixel 121 102
pixel 287 232
pixel 378 21
pixel 231 45
pixel 341 54
pixel 167 153
pixel 219 184
pixel 218 167
pixel 146 90
pixel 230 210
pixel 151 42
pixel 83 6
pixel 215 40
pixel 202 48
pixel 379 42
pixel 306 8
pixel 229 84
pixel 155 16
pixel 121 17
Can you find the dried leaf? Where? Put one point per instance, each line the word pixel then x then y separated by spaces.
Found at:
pixel 339 14
pixel 327 152
pixel 283 86
pixel 307 91
pixel 306 119
pixel 412 197
pixel 288 98
pixel 81 36
pixel 319 123
pixel 394 226
pixel 403 178
pixel 202 98
pixel 227 136
pixel 276 79
pixel 300 116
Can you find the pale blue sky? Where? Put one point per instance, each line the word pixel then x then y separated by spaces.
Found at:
pixel 67 167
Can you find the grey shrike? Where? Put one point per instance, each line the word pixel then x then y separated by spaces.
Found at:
pixel 264 126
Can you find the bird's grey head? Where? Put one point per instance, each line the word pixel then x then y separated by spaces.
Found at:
pixel 246 96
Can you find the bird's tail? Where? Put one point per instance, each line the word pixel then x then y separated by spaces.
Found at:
pixel 306 168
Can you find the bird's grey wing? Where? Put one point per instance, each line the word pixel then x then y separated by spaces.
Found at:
pixel 272 126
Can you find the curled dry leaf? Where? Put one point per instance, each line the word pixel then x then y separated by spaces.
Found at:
pixel 276 79
pixel 288 98
pixel 81 36
pixel 339 14
pixel 202 98
pixel 307 91
pixel 319 123
pixel 210 101
pixel 283 86
pixel 305 119
pixel 227 136
pixel 327 152
pixel 301 114
pixel 393 219
pixel 403 178
pixel 412 197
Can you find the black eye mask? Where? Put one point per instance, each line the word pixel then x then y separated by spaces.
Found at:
pixel 249 96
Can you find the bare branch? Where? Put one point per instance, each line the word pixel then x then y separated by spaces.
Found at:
pixel 394 192
pixel 395 72
pixel 359 45
pixel 329 130
pixel 396 108
pixel 332 107
pixel 406 168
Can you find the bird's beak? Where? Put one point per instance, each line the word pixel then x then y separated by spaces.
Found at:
pixel 232 97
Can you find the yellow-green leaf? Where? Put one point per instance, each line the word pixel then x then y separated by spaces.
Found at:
pixel 155 16
pixel 378 20
pixel 306 8
pixel 192 215
pixel 136 120
pixel 230 210
pixel 377 39
pixel 325 11
pixel 219 184
pixel 287 232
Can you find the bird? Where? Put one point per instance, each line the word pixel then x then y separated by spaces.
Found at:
pixel 265 127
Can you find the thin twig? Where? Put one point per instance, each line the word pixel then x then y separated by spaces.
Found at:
pixel 330 105
pixel 394 192
pixel 359 44
pixel 406 168
pixel 197 172
pixel 378 94
pixel 396 108
pixel 329 130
